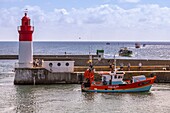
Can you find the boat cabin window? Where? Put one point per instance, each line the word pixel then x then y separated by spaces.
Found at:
pixel 115 76
pixel 139 78
pixel 117 79
pixel 112 78
pixel 106 77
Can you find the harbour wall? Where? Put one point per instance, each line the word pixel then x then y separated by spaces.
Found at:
pixel 27 76
pixel 34 76
pixel 81 60
pixel 39 75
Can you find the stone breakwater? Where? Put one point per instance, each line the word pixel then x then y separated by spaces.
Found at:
pixel 81 60
pixel 39 75
pixel 42 76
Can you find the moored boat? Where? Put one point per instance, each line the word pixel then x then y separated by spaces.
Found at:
pixel 125 52
pixel 107 43
pixel 137 45
pixel 112 82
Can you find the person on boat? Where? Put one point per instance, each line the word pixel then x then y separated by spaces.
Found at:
pixel 89 74
pixel 87 78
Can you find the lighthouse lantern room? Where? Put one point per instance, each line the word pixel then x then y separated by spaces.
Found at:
pixel 25 43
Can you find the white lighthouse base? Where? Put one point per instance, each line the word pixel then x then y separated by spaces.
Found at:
pixel 25 54
pixel 25 65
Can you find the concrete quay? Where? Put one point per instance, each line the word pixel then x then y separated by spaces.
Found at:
pixel 39 75
pixel 34 76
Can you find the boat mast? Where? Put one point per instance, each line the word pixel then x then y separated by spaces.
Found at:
pixel 114 62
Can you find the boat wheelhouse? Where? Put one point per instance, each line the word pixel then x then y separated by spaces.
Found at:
pixel 112 78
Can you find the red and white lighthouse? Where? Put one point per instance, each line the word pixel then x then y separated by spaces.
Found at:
pixel 25 43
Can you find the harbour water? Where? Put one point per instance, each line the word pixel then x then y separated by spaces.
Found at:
pixel 152 50
pixel 69 98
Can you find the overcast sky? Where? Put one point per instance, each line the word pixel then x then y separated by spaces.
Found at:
pixel 88 20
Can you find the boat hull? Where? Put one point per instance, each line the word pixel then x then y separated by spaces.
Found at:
pixel 125 55
pixel 140 86
pixel 141 89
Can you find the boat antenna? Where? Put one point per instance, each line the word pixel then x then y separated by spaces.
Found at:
pixel 114 62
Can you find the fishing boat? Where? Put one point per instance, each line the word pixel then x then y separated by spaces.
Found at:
pixel 107 43
pixel 137 45
pixel 125 52
pixel 112 82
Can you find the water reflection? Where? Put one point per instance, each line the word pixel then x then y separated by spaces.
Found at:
pixel 87 96
pixel 25 99
pixel 70 99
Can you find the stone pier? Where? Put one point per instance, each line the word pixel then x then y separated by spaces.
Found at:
pixel 33 76
pixel 43 76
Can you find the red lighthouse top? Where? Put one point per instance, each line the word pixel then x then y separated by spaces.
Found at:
pixel 25 20
pixel 25 30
